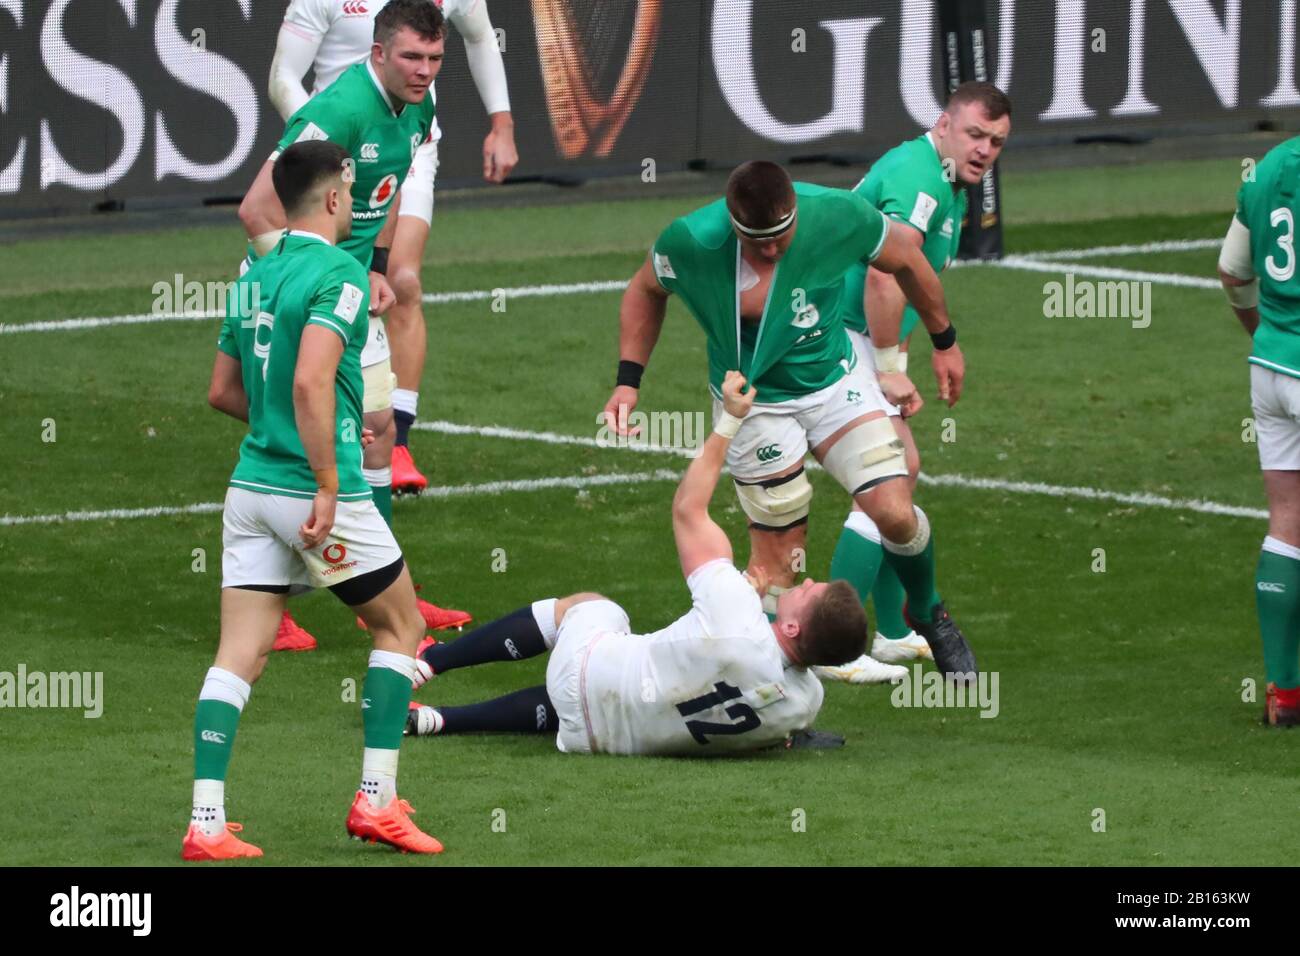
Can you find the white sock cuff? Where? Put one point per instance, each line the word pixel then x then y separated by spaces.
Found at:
pixel 544 615
pixel 919 540
pixel 405 400
pixel 394 662
pixel 225 686
pixel 1273 546
pixel 209 793
pixel 860 524
pixel 377 477
pixel 378 762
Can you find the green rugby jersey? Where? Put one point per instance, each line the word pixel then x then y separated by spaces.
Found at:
pixel 303 281
pixel 1269 206
pixel 356 112
pixel 800 345
pixel 908 184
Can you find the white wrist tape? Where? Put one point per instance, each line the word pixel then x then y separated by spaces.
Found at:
pixel 727 425
pixel 887 360
pixel 267 241
pixel 1243 296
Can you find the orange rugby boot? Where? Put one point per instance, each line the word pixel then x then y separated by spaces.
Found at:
pixel 391 824
pixel 197 845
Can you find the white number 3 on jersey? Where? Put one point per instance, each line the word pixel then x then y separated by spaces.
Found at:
pixel 1285 242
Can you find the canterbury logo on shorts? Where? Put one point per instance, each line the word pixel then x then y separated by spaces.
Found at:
pixel 768 453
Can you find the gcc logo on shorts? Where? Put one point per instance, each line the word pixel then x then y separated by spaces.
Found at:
pixel 384 191
pixel 768 453
pixel 334 553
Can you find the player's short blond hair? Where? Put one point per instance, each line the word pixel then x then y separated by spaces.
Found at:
pixel 834 628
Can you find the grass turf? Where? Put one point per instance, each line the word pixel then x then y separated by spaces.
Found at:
pixel 1119 690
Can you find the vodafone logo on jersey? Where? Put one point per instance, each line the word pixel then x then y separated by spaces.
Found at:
pixel 355 8
pixel 383 193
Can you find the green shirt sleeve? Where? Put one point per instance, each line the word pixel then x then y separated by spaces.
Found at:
pixel 342 295
pixel 869 229
pixel 315 120
pixel 661 256
pixel 227 339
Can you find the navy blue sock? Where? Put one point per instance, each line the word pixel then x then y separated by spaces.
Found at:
pixel 404 422
pixel 510 638
pixel 523 712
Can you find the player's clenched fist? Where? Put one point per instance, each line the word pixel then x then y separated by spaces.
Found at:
pixel 950 370
pixel 619 407
pixel 735 401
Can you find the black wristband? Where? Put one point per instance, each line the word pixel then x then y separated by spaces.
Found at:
pixel 945 339
pixel 629 373
pixel 379 262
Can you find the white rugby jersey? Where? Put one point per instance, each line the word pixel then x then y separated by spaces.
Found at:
pixel 346 29
pixel 713 680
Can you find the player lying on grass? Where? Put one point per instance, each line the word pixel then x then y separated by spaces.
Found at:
pixel 380 111
pixel 298 513
pixel 762 271
pixel 921 186
pixel 720 678
pixel 1257 267
pixel 328 36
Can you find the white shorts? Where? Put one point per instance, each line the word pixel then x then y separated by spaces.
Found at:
pixel 867 356
pixel 417 187
pixel 1275 399
pixel 583 626
pixel 376 347
pixel 261 545
pixel 773 438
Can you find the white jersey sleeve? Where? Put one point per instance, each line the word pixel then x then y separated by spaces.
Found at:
pixel 471 20
pixel 313 17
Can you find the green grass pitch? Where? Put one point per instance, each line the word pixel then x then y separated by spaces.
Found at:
pixel 1120 690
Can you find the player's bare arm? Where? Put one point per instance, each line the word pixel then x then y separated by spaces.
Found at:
pixel 640 319
pixel 906 263
pixel 313 404
pixel 883 297
pixel 699 539
pixel 1237 274
pixel 382 296
pixel 261 212
pixel 226 390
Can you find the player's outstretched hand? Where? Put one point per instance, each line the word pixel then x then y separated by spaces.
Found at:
pixel 950 370
pixel 382 296
pixel 899 390
pixel 619 407
pixel 735 401
pixel 317 528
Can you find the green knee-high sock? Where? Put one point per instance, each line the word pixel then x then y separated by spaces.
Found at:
pixel 215 723
pixel 383 495
pixel 857 554
pixel 888 596
pixel 1277 598
pixel 916 569
pixel 386 695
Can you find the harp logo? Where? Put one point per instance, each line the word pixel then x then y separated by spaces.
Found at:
pixel 587 120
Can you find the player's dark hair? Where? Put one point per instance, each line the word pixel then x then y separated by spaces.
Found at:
pixel 759 194
pixel 996 104
pixel 301 168
pixel 834 630
pixel 422 16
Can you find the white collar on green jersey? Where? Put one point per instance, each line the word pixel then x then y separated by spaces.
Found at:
pixel 929 138
pixel 304 234
pixel 374 78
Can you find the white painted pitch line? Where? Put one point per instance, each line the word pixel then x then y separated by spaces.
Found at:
pixel 575 482
pixel 1104 272
pixel 1143 499
pixel 433 298
pixel 1094 252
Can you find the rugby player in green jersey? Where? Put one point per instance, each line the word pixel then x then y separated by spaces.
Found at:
pixel 298 513
pixel 921 186
pixel 762 271
pixel 381 112
pixel 1258 269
